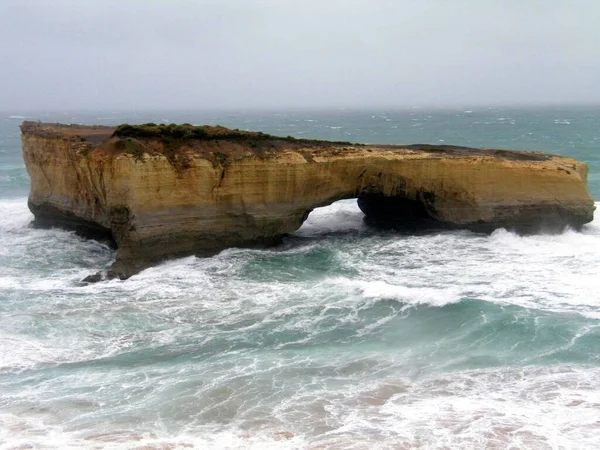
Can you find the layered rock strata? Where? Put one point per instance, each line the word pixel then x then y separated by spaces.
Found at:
pixel 160 192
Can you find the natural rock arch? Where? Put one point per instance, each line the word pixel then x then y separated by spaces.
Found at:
pixel 164 192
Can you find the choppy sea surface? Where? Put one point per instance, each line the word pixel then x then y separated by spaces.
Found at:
pixel 344 337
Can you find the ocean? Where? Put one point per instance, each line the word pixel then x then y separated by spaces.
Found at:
pixel 343 337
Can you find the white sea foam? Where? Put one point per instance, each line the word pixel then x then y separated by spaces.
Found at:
pixel 17 432
pixel 505 408
pixel 14 214
pixel 409 295
pixel 553 272
pixel 342 216
pixel 283 348
pixel 18 353
pixel 530 407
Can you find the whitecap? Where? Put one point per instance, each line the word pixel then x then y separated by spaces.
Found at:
pixel 382 290
pixel 14 214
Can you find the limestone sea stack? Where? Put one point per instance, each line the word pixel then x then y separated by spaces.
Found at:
pixel 161 192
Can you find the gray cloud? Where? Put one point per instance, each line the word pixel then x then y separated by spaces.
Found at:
pixel 282 53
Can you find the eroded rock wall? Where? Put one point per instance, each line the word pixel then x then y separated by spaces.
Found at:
pixel 156 208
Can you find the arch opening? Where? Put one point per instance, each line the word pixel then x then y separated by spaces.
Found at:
pixel 377 210
pixel 398 211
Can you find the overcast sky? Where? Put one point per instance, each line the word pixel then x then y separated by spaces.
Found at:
pixel 135 54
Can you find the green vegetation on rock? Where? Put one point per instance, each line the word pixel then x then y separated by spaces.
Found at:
pixel 176 133
pixel 182 132
pixel 130 147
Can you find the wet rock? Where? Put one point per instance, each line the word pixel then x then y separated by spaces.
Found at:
pixel 94 278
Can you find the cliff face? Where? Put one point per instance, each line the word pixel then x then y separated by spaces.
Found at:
pixel 166 195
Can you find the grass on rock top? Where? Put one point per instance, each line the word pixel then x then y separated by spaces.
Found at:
pixel 176 141
pixel 185 132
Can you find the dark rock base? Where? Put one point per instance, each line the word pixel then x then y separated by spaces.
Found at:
pixel 47 216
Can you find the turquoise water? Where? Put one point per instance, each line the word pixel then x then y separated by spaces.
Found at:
pixel 343 337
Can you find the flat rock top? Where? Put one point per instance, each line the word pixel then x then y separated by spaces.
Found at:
pixel 191 136
pixel 62 129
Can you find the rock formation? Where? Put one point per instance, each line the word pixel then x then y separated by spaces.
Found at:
pixel 168 191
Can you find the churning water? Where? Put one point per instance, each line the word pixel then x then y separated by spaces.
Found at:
pixel 343 337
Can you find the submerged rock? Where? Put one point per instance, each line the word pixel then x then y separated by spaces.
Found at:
pixel 160 192
pixel 93 278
